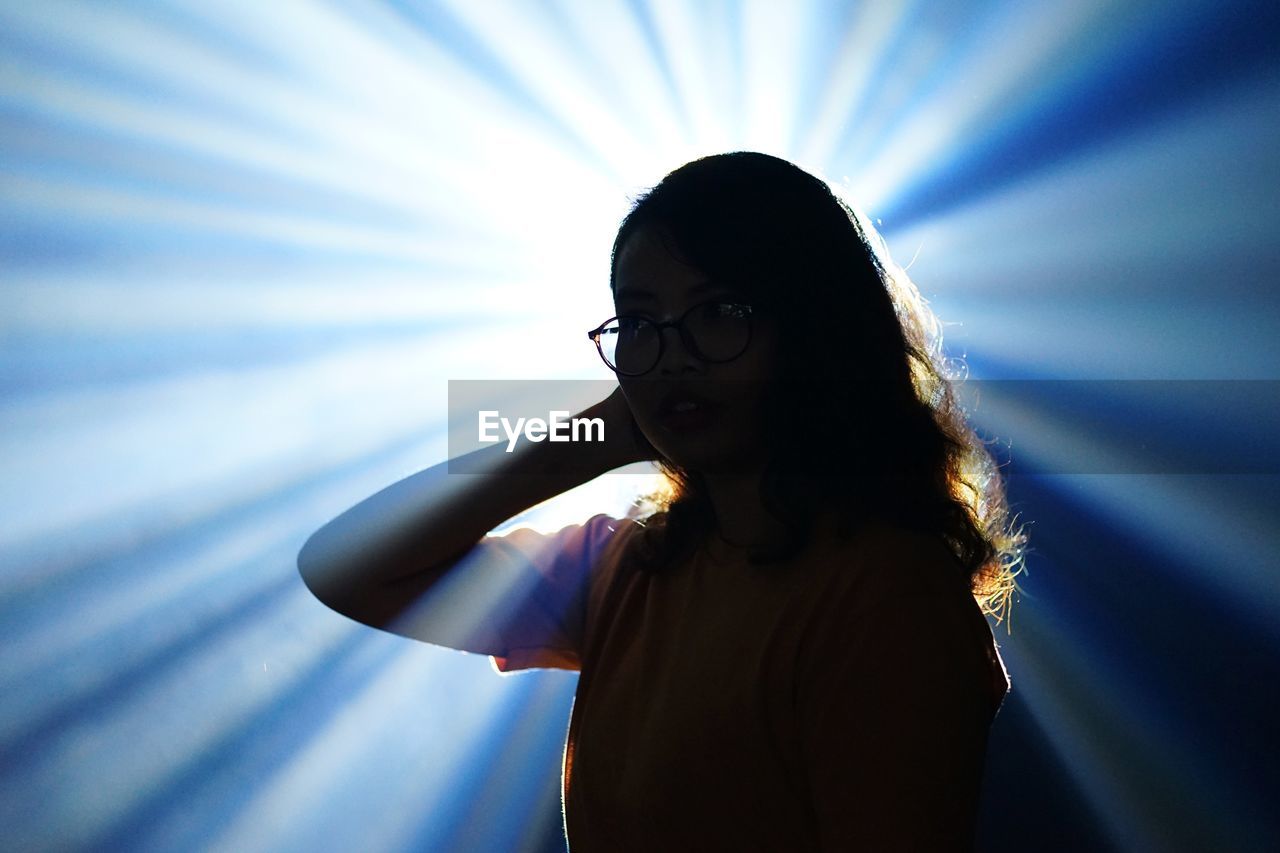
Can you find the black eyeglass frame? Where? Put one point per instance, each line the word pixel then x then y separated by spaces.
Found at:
pixel 685 335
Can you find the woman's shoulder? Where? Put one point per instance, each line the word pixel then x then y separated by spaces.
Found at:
pixel 904 585
pixel 571 555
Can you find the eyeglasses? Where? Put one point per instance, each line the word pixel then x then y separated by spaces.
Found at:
pixel 714 331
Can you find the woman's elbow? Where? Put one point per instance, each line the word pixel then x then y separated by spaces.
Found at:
pixel 322 573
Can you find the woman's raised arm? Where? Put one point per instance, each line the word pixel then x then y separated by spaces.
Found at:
pixel 380 556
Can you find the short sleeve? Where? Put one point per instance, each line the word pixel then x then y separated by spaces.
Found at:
pixel 542 622
pixel 894 704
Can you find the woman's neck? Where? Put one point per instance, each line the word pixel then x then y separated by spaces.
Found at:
pixel 742 521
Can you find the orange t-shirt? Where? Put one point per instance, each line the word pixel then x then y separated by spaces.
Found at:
pixel 837 703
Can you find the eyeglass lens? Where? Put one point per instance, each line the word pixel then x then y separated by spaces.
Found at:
pixel 720 332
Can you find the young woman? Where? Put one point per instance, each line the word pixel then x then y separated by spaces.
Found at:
pixel 784 649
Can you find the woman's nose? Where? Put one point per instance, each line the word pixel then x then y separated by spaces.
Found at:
pixel 677 355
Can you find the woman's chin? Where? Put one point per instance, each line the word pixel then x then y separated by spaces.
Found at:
pixel 706 453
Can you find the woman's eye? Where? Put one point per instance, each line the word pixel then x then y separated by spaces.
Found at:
pixel 634 327
pixel 727 310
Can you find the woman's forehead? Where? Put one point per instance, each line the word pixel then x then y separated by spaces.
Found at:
pixel 646 265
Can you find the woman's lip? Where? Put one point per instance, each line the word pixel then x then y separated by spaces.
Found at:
pixel 699 417
pixel 678 396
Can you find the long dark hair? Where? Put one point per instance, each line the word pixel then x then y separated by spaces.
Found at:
pixel 862 355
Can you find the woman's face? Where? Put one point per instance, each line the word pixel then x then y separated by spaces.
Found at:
pixel 723 433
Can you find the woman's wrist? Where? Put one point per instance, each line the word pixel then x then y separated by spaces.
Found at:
pixel 623 442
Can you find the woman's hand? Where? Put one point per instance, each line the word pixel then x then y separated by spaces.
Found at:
pixel 624 441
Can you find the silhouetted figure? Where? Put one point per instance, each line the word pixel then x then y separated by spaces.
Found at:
pixel 786 648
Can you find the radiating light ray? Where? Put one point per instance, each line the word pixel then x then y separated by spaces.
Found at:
pixel 135 126
pixel 909 57
pixel 1113 91
pixel 1184 524
pixel 204 803
pixel 1172 519
pixel 73 305
pixel 1095 236
pixel 1140 227
pixel 634 88
pixel 526 37
pixel 415 246
pixel 379 141
pixel 174 717
pixel 993 83
pixel 772 58
pixel 219 794
pixel 1062 338
pixel 176 598
pixel 844 97
pixel 490 782
pixel 65 200
pixel 1135 766
pixel 104 450
pixel 293 808
pixel 696 56
pixel 1055 692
